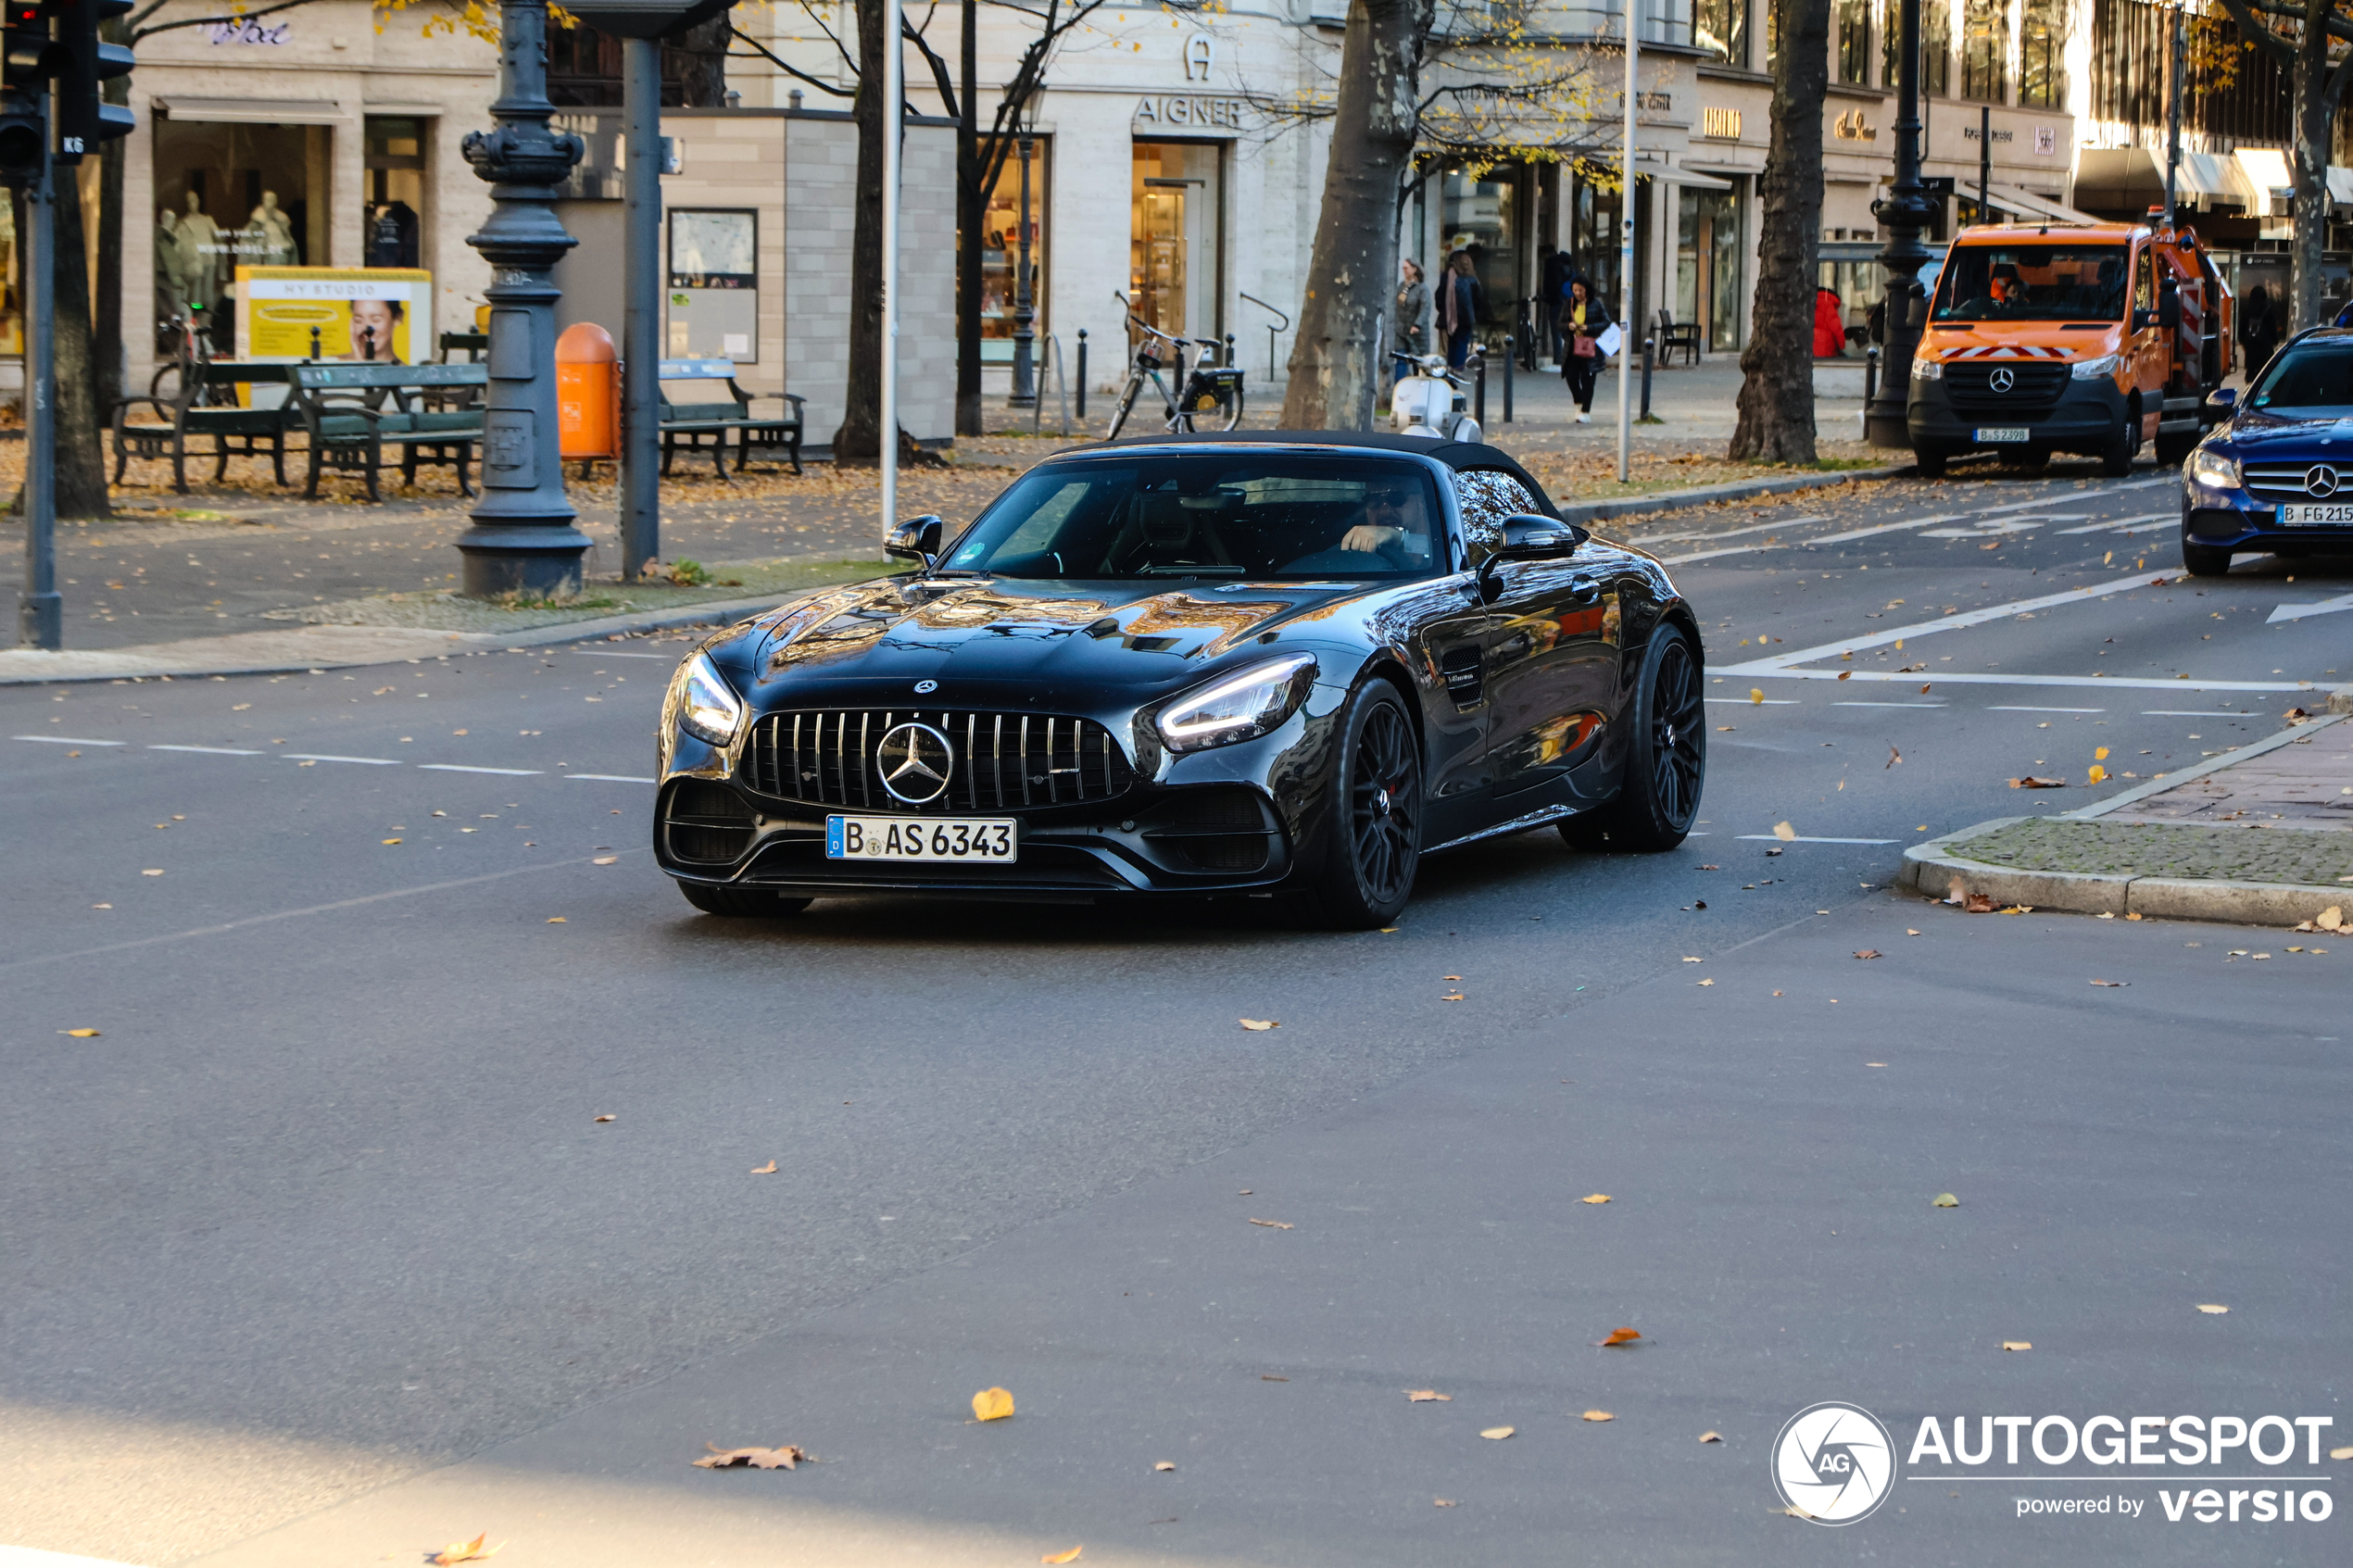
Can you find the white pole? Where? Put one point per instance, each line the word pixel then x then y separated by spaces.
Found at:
pixel 1625 256
pixel 894 113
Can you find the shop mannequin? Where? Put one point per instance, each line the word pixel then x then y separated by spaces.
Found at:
pixel 272 229
pixel 172 272
pixel 200 252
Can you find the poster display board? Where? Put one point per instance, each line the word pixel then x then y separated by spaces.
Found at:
pixel 382 313
pixel 714 285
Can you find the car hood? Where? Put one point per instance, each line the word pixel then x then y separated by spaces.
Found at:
pixel 994 640
pixel 2255 434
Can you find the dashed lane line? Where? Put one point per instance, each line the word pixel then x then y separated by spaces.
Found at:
pixel 1852 703
pixel 363 761
pixel 322 756
pixel 2021 708
pixel 1784 663
pixel 2084 683
pixel 209 750
pixel 67 740
pixel 1809 838
pixel 463 768
pixel 611 778
pixel 2147 523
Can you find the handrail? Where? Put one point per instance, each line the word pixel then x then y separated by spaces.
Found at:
pixel 1053 357
pixel 1270 331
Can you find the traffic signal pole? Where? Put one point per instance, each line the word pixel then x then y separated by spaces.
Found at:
pixel 40 609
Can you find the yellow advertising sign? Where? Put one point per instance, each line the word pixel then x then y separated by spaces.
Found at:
pixel 382 313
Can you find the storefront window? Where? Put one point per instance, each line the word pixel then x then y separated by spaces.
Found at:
pixel 1985 37
pixel 1707 264
pixel 396 190
pixel 1855 42
pixel 1482 216
pixel 231 195
pixel 1720 27
pixel 2042 82
pixel 1936 47
pixel 1176 236
pixel 1001 242
pixel 1593 238
pixel 11 307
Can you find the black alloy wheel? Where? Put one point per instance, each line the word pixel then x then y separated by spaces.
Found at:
pixel 1658 798
pixel 1374 843
pixel 741 902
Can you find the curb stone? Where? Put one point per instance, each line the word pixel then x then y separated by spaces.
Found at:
pixel 1931 869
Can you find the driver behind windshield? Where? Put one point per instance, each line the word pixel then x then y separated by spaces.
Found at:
pixel 1393 525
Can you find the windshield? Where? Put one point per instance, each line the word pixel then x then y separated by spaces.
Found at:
pixel 2032 282
pixel 2308 379
pixel 1222 514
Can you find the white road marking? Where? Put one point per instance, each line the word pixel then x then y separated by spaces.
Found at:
pixel 600 653
pixel 2001 529
pixel 1727 534
pixel 1780 663
pixel 1752 702
pixel 462 768
pixel 2020 707
pixel 2197 713
pixel 1804 838
pixel 2147 523
pixel 67 740
pixel 1963 517
pixel 320 757
pixel 2298 612
pixel 1711 555
pixel 2088 683
pixel 209 750
pixel 611 778
pixel 1890 705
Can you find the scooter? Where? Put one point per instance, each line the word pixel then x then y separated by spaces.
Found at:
pixel 1430 402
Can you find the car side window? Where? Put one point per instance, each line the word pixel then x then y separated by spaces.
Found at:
pixel 2145 282
pixel 1486 498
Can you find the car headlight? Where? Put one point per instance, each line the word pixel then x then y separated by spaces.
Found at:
pixel 706 707
pixel 1237 707
pixel 1927 369
pixel 2216 469
pixel 2094 370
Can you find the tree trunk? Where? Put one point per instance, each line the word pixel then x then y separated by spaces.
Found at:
pixel 1775 404
pixel 1351 274
pixel 82 464
pixel 971 211
pixel 860 438
pixel 2312 156
pixel 702 61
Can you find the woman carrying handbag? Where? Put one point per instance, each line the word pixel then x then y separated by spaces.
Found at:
pixel 1583 318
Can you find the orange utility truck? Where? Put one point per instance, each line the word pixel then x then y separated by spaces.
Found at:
pixel 2070 337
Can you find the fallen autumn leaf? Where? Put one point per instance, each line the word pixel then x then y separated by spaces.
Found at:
pixel 1711 1436
pixel 2031 781
pixel 2016 1344
pixel 1422 1395
pixel 2217 1311
pixel 1274 1225
pixel 603 1118
pixel 466 1551
pixel 1599 1415
pixel 788 1457
pixel 767 1170
pixel 605 860
pixel 1944 1200
pixel 1070 1556
pixel 992 1404
pixel 1785 832
pixel 1868 953
pixel 1164 1464
pixel 2111 982
pixel 1620 1336
pixel 1497 1434
pixel 1594 1198
pixel 81 1034
pixel 1256 1025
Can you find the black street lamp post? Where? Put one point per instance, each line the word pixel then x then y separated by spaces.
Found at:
pixel 1907 211
pixel 523 539
pixel 1025 306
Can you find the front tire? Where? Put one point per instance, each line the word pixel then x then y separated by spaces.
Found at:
pixel 750 903
pixel 1127 403
pixel 1658 798
pixel 2123 443
pixel 1931 459
pixel 1373 841
pixel 2205 560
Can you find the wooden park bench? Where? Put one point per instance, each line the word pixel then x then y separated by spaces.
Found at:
pixel 701 406
pixel 354 411
pixel 206 408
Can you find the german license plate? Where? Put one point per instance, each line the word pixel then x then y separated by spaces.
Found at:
pixel 2309 514
pixel 2001 433
pixel 993 839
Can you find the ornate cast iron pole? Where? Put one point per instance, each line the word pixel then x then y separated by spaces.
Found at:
pixel 1905 212
pixel 523 539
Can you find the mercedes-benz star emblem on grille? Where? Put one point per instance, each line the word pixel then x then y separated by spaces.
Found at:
pixel 2320 480
pixel 914 761
pixel 2003 378
pixel 924 688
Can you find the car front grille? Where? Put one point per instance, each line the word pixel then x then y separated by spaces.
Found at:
pixel 2288 482
pixel 706 823
pixel 2035 391
pixel 1002 762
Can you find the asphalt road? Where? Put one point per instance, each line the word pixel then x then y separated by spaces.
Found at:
pixel 315 1255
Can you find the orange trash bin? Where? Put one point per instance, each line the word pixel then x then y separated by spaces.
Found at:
pixel 587 393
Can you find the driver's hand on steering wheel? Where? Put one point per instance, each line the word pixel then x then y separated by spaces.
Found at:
pixel 1370 538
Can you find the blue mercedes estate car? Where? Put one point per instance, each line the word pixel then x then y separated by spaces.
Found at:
pixel 2277 476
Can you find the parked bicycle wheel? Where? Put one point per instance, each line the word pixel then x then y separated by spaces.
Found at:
pixel 1127 403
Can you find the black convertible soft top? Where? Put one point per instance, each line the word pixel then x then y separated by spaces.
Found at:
pixel 1461 456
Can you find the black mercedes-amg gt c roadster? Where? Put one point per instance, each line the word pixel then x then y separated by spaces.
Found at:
pixel 1255 663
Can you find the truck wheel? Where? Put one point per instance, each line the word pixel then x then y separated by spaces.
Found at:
pixel 1930 459
pixel 2123 443
pixel 2205 560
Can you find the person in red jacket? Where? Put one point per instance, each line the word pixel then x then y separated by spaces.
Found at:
pixel 1830 328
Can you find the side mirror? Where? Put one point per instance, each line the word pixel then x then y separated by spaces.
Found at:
pixel 2168 310
pixel 1527 537
pixel 916 539
pixel 2226 398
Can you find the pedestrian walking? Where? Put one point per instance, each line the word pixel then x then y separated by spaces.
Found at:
pixel 2259 332
pixel 1459 301
pixel 1413 306
pixel 1583 319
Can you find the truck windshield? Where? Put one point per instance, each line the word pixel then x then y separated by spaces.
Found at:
pixel 2032 282
pixel 2311 379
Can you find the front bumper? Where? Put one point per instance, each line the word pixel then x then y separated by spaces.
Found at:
pixel 2083 418
pixel 2217 519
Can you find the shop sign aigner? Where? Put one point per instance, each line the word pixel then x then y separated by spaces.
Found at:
pixel 1192 111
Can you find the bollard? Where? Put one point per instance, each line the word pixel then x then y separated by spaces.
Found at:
pixel 1649 348
pixel 1871 374
pixel 1509 355
pixel 1082 375
pixel 1478 391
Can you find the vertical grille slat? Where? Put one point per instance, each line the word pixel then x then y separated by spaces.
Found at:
pixel 826 757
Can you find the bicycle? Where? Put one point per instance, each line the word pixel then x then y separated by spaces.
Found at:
pixel 1212 394
pixel 194 347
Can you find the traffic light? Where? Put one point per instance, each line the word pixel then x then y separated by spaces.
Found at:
pixel 31 59
pixel 84 119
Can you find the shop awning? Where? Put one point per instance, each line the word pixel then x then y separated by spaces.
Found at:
pixel 2033 205
pixel 1672 174
pixel 253 111
pixel 2341 187
pixel 2269 183
pixel 2207 179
